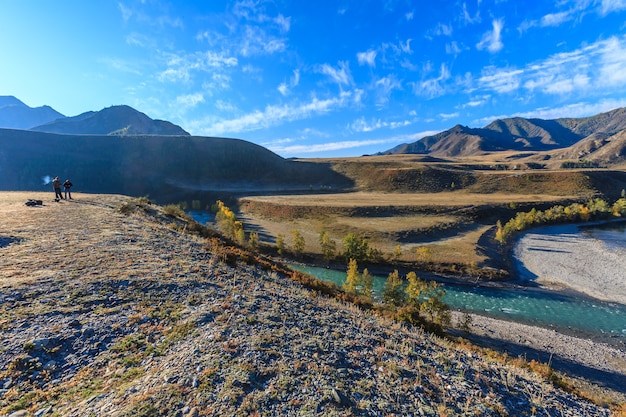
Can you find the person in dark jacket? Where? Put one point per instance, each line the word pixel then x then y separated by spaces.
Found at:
pixel 56 184
pixel 67 185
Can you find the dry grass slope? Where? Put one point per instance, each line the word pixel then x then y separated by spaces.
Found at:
pixel 121 312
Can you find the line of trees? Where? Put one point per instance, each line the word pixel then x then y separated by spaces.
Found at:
pixel 411 299
pixel 595 209
pixel 232 228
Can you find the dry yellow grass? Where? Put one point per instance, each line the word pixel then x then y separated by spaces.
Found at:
pixel 374 199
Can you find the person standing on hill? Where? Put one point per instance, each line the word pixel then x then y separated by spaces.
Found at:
pixel 67 185
pixel 56 184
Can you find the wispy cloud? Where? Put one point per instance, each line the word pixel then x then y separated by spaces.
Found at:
pixel 274 115
pixel 492 40
pixel 467 17
pixel 384 87
pixel 362 125
pixel 447 116
pixel 600 66
pixel 256 41
pixel 574 10
pixel 285 87
pixel 188 101
pixel 367 58
pixel 301 149
pixel 432 87
pixel 181 67
pixel 609 6
pixel 500 80
pixel 453 48
pixel 340 75
pixel 284 23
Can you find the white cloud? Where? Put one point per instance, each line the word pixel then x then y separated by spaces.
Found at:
pixel 285 88
pixel 477 101
pixel 255 41
pixel 225 106
pixel 555 19
pixel 274 115
pixel 609 6
pixel 363 126
pixel 613 63
pixel 188 101
pixel 409 16
pixel 384 86
pixel 337 146
pixel 368 58
pixel 446 116
pixel 596 67
pixel 492 41
pixel 469 19
pixel 500 80
pixel 432 87
pixel 406 47
pixel 453 48
pixel 284 23
pixel 181 67
pixel 339 75
pixel 442 29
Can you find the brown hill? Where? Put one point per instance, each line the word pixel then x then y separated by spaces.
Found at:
pixel 166 168
pixel 576 137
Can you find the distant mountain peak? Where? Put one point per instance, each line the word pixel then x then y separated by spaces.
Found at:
pixel 113 120
pixel 14 114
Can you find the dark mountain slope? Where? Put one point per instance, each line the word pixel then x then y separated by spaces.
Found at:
pixel 14 114
pixel 114 120
pixel 167 168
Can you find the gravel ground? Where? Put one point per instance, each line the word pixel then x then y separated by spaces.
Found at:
pixel 104 313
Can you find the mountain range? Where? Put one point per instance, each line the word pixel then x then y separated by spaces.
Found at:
pixel 599 139
pixel 121 150
pixel 114 120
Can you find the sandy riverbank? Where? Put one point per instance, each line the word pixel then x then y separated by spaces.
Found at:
pixel 562 256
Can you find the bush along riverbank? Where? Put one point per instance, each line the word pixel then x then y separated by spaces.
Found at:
pixel 595 209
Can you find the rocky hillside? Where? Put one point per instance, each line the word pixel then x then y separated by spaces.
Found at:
pixel 14 114
pixel 114 120
pixel 577 138
pixel 108 307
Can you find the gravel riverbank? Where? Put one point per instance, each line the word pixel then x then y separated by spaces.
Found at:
pixel 562 256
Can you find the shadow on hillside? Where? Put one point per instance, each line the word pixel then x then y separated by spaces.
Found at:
pixel 436 234
pixel 611 380
pixel 264 236
pixel 7 240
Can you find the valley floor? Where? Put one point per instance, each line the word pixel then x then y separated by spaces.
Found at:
pixel 107 313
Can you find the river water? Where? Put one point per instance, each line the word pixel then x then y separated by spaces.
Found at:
pixel 543 308
pixel 530 306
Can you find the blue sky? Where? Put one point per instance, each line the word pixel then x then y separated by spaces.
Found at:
pixel 318 78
